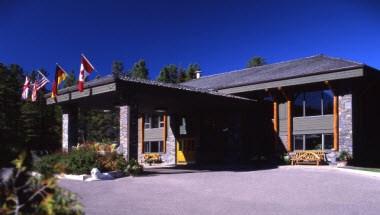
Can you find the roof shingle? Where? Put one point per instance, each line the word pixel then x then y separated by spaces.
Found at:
pixel 317 64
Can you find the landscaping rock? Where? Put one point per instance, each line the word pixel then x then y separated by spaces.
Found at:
pixel 97 175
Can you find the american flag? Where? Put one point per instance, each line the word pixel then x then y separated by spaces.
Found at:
pixel 40 81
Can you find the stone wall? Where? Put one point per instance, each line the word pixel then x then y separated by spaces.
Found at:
pixel 345 123
pixel 69 128
pixel 169 158
pixel 65 132
pixel 124 130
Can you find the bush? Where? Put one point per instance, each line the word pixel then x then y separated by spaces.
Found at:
pixel 49 165
pixel 344 156
pixel 80 161
pixel 134 168
pixel 111 162
pixel 21 193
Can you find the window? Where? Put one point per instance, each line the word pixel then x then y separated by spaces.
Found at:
pixel 298 105
pixel 313 142
pixel 154 121
pixel 328 100
pixel 298 142
pixel 313 103
pixel 153 146
pixel 328 141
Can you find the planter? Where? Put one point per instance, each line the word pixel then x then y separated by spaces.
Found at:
pixel 341 163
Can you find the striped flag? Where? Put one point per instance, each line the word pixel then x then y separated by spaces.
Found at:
pixel 40 82
pixel 25 89
pixel 60 75
pixel 86 69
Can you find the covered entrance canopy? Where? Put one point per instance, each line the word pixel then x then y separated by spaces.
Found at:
pixel 136 96
pixel 148 95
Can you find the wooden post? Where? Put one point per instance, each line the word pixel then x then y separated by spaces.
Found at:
pixel 142 132
pixel 275 116
pixel 165 132
pixel 290 125
pixel 336 122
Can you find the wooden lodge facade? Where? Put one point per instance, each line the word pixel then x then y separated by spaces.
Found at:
pixel 313 103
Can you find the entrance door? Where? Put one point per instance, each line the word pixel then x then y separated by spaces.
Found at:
pixel 185 151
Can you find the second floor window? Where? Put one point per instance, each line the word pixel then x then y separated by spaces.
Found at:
pixel 313 103
pixel 154 121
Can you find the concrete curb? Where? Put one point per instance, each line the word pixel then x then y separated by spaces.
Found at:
pixel 335 168
pixel 359 172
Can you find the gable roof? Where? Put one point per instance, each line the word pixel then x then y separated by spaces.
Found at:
pixel 318 64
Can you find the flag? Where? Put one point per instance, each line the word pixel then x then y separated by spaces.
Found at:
pixel 86 69
pixel 40 81
pixel 34 92
pixel 25 89
pixel 60 75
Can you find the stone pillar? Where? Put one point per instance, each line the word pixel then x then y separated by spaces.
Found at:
pixel 129 131
pixel 345 123
pixel 69 128
pixel 170 155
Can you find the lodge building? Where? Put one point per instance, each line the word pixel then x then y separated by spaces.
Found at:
pixel 312 103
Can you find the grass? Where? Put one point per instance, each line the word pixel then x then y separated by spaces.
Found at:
pixel 363 168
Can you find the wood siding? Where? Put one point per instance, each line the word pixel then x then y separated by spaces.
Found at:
pixel 313 124
pixel 153 134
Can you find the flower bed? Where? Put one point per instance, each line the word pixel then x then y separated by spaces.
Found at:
pixel 83 159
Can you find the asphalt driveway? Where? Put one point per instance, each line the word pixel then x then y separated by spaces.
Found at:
pixel 270 191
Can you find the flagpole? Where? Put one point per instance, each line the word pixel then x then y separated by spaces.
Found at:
pixel 43 75
pixel 62 69
pixel 98 73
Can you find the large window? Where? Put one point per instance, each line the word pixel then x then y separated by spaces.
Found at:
pixel 313 142
pixel 154 121
pixel 153 146
pixel 313 103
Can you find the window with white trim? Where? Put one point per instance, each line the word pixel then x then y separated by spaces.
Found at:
pixel 154 121
pixel 153 146
pixel 313 142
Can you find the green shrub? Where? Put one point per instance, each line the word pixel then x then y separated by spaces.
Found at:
pixel 111 162
pixel 50 164
pixel 134 168
pixel 344 156
pixel 21 193
pixel 80 161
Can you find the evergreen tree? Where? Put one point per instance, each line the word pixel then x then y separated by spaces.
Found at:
pixel 117 68
pixel 139 70
pixel 70 80
pixel 256 61
pixel 182 75
pixel 191 71
pixel 11 81
pixel 168 74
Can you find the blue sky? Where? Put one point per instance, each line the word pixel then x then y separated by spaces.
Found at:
pixel 219 35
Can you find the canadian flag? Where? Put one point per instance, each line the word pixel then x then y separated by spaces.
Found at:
pixel 25 89
pixel 86 69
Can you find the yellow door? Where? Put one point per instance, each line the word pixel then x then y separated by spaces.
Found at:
pixel 185 151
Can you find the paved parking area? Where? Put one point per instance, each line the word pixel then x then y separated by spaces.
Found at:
pixel 272 191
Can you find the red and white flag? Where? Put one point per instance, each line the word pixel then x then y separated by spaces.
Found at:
pixel 25 89
pixel 40 81
pixel 86 69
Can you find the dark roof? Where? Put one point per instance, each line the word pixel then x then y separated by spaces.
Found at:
pixel 313 65
pixel 110 79
pixel 181 87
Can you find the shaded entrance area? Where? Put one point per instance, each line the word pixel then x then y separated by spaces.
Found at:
pixel 181 124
